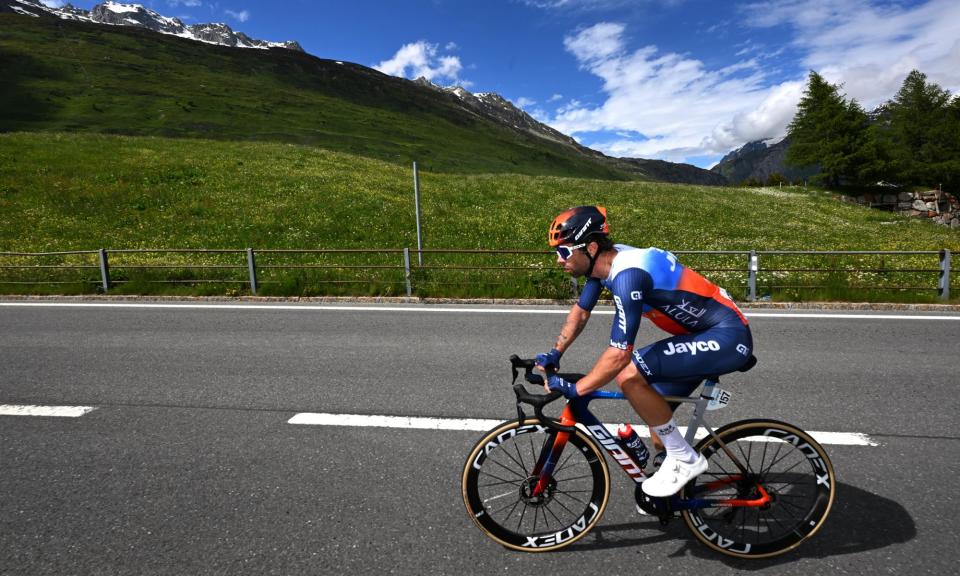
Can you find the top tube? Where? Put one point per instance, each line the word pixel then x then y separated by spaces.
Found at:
pixel 611 395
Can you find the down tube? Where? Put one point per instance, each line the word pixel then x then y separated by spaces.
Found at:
pixel 609 443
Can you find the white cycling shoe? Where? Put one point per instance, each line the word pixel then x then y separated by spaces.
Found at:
pixel 672 476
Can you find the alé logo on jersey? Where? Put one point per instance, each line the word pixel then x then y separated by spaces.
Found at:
pixel 691 348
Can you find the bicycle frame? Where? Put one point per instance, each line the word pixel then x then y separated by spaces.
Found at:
pixel 577 412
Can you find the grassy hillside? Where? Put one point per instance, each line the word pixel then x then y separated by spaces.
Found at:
pixel 62 76
pixel 82 191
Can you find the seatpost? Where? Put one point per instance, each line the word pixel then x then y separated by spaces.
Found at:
pixel 705 396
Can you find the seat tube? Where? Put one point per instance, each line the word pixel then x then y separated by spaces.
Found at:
pixel 705 396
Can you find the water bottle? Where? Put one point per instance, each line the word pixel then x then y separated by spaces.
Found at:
pixel 633 444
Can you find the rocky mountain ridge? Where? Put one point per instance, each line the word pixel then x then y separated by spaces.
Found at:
pixel 117 14
pixel 498 108
pixel 758 160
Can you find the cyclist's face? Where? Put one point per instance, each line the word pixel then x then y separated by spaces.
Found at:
pixel 576 264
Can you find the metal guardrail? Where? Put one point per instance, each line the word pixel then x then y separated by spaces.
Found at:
pixel 247 260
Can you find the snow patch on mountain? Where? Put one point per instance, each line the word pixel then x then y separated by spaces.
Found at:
pixel 119 14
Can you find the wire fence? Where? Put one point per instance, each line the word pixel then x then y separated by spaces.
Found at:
pixel 746 274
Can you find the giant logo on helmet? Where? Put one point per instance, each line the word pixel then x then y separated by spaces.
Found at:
pixel 584 229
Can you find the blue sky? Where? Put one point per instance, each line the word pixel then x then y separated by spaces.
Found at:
pixel 680 80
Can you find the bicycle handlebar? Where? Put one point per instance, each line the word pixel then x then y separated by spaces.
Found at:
pixel 538 401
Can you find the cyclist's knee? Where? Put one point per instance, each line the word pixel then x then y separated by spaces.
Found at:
pixel 630 376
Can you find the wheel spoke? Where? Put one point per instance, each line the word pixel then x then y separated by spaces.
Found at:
pixel 510 470
pixel 796 498
pixel 499 494
pixel 774 459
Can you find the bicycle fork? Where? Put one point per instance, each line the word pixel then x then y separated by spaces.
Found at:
pixel 554 446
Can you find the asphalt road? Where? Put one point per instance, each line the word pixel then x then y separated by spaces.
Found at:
pixel 189 465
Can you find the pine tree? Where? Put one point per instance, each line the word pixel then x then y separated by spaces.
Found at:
pixel 923 131
pixel 827 131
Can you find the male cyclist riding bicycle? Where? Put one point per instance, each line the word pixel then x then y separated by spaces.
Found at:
pixel 710 334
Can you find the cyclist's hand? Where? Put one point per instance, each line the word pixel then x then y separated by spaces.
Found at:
pixel 568 389
pixel 549 361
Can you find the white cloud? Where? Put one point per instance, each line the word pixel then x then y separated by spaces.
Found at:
pixel 672 100
pixel 571 105
pixel 242 15
pixel 524 102
pixel 681 108
pixel 588 5
pixel 555 97
pixel 598 42
pixel 870 48
pixel 422 59
pixel 53 3
pixel 187 3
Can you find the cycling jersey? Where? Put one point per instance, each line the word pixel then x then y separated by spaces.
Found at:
pixel 711 335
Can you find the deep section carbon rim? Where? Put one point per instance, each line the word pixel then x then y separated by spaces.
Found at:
pixel 788 472
pixel 498 488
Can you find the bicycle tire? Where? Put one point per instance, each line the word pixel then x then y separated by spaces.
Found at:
pixel 793 469
pixel 498 469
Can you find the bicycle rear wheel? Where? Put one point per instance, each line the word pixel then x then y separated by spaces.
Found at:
pixel 498 483
pixel 784 463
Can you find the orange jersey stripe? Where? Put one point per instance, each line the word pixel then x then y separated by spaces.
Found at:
pixel 691 281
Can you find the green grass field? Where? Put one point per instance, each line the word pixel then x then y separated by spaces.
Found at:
pixel 85 191
pixel 62 76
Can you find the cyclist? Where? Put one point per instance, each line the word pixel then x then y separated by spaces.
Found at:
pixel 710 334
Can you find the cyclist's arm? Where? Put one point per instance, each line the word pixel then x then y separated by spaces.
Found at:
pixel 627 288
pixel 579 314
pixel 610 363
pixel 572 327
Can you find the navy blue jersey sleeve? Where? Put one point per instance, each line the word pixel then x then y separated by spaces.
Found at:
pixel 590 294
pixel 628 288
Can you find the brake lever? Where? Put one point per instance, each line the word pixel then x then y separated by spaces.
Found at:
pixel 538 401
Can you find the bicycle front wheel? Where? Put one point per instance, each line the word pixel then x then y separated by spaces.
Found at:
pixel 782 499
pixel 499 487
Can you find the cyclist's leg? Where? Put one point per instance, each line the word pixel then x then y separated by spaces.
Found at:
pixel 682 463
pixel 680 388
pixel 680 358
pixel 675 366
pixel 647 402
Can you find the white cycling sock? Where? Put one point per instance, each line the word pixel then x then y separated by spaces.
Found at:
pixel 677 447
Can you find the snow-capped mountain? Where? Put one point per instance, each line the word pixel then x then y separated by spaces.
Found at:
pixel 497 107
pixel 118 14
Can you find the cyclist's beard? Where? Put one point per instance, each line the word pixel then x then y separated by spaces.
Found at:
pixel 593 260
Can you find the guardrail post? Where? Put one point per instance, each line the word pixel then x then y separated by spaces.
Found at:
pixel 406 271
pixel 752 277
pixel 252 267
pixel 104 269
pixel 944 288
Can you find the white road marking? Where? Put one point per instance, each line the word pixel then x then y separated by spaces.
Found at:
pixel 427 308
pixel 409 422
pixel 482 425
pixel 33 410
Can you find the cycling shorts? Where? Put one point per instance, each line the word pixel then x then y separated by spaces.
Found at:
pixel 676 365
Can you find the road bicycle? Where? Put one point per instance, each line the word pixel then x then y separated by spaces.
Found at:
pixel 540 484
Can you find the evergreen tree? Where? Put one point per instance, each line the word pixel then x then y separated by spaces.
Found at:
pixel 827 131
pixel 923 131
